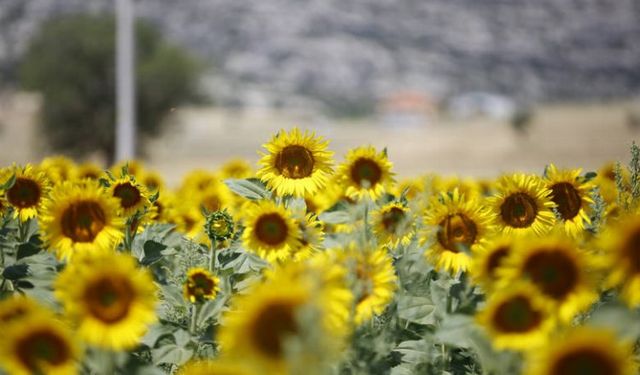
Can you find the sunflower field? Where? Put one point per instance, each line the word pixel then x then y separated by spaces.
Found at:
pixel 305 266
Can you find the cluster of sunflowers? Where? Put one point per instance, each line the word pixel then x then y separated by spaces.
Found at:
pixel 303 267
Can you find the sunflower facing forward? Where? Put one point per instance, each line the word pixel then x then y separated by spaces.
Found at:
pixel 263 324
pixel 270 231
pixel 80 217
pixel 366 172
pixel 570 193
pixel 583 351
pixel 40 344
pixel 28 191
pixel 457 226
pixel 132 196
pixel 558 269
pixel 393 224
pixel 523 205
pixel 517 318
pixel 108 297
pixel 621 242
pixel 296 163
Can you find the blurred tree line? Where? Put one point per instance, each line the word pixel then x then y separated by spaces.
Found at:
pixel 71 61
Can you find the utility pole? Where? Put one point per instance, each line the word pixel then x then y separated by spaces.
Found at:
pixel 125 81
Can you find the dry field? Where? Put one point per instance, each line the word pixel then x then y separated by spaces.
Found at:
pixel 569 135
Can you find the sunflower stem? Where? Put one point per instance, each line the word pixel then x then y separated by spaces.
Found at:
pixel 194 319
pixel 22 230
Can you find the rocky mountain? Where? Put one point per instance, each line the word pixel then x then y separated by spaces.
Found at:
pixel 348 52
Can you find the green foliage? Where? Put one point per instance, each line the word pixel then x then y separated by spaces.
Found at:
pixel 71 61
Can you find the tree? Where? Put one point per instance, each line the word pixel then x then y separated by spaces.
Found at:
pixel 71 61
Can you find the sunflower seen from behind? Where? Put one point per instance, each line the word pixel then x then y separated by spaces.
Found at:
pixel 570 192
pixel 296 163
pixel 522 205
pixel 366 173
pixel 455 227
pixel 28 191
pixel 270 231
pixel 581 351
pixel 80 217
pixel 109 299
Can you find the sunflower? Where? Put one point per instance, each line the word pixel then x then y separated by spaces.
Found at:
pixel 200 285
pixel 17 308
pixel 38 345
pixel 262 325
pixel 311 236
pixel 366 173
pixel 270 231
pixel 236 168
pixel 164 206
pixel 296 163
pixel 197 181
pixel 456 226
pixel 28 192
pixel 522 205
pixel 80 217
pixel 152 180
pixel 559 270
pixel 133 168
pixel 215 367
pixel 621 242
pixel 132 196
pixel 326 276
pixel 393 224
pixel 374 280
pixel 109 298
pixel 214 197
pixel 188 218
pixel 583 351
pixel 517 318
pixel 88 170
pixel 58 168
pixel 488 259
pixel 570 193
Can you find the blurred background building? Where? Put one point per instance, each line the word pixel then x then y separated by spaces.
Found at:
pixel 451 86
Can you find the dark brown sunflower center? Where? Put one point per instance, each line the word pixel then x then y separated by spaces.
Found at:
pixel 366 172
pixel 295 162
pixel 109 299
pixel 200 285
pixel 632 250
pixel 585 361
pixel 567 199
pixel 82 221
pixel 24 193
pixel 392 219
pixel 457 232
pixel 516 315
pixel 271 326
pixel 553 272
pixel 271 229
pixel 42 347
pixel 129 195
pixel 495 260
pixel 519 210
